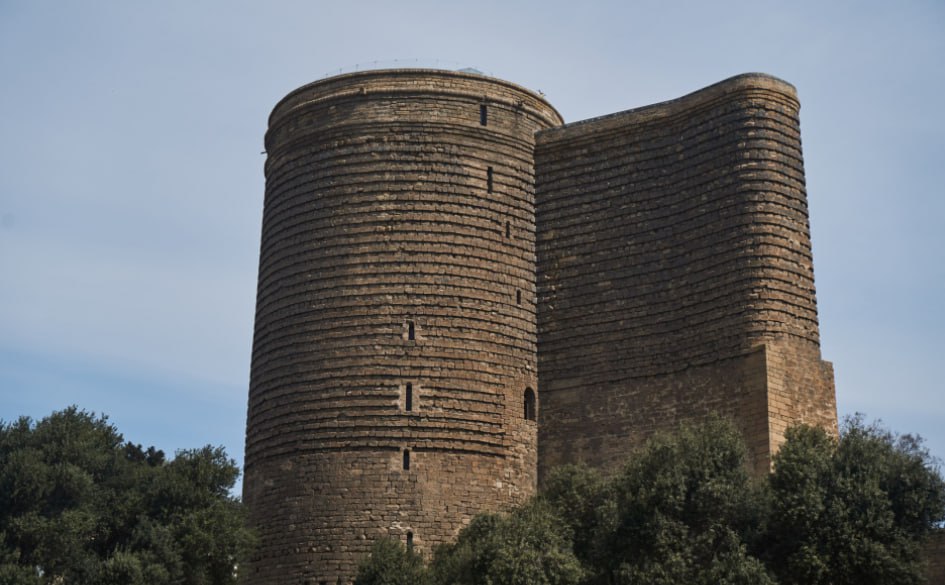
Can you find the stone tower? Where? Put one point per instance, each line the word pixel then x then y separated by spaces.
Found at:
pixel 394 370
pixel 675 275
pixel 439 250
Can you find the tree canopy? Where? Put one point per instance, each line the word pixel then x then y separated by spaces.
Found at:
pixel 530 546
pixel 391 563
pixel 79 504
pixel 851 511
pixel 685 509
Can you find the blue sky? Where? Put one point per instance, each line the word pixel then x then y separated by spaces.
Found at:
pixel 131 176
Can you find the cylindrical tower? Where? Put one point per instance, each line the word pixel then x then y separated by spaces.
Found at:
pixel 393 386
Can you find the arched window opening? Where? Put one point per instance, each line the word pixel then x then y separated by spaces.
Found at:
pixel 411 331
pixel 529 404
pixel 406 459
pixel 409 540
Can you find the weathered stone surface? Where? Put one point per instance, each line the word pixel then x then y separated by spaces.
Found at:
pixel 398 251
pixel 935 557
pixel 675 275
pixel 398 265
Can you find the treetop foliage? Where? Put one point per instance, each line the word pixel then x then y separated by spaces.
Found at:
pixel 854 510
pixel 681 507
pixel 392 563
pixel 79 504
pixel 527 547
pixel 686 509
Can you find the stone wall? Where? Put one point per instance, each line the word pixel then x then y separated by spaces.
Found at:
pixel 600 424
pixel 673 246
pixel 397 266
pixel 934 555
pixel 800 389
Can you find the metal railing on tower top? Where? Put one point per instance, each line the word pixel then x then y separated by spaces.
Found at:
pixel 408 64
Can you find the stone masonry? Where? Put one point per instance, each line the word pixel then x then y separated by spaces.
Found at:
pixel 457 292
pixel 396 334
pixel 675 275
pixel 934 554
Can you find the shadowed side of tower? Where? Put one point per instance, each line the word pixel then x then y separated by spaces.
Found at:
pixel 394 354
pixel 675 275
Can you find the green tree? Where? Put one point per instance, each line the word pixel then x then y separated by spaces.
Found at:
pixel 853 510
pixel 684 510
pixel 78 504
pixel 391 563
pixel 530 546
pixel 582 498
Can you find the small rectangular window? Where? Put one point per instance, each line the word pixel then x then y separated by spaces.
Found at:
pixel 518 297
pixel 406 459
pixel 483 115
pixel 508 229
pixel 489 179
pixel 408 397
pixel 409 540
pixel 411 331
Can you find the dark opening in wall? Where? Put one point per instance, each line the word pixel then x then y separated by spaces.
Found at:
pixel 489 174
pixel 406 459
pixel 529 404
pixel 411 331
pixel 518 297
pixel 408 397
pixel 508 229
pixel 483 114
pixel 410 540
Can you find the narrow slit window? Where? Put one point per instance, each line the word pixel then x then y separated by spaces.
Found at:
pixel 411 331
pixel 483 114
pixel 409 540
pixel 508 229
pixel 489 183
pixel 408 397
pixel 529 404
pixel 518 297
pixel 406 459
